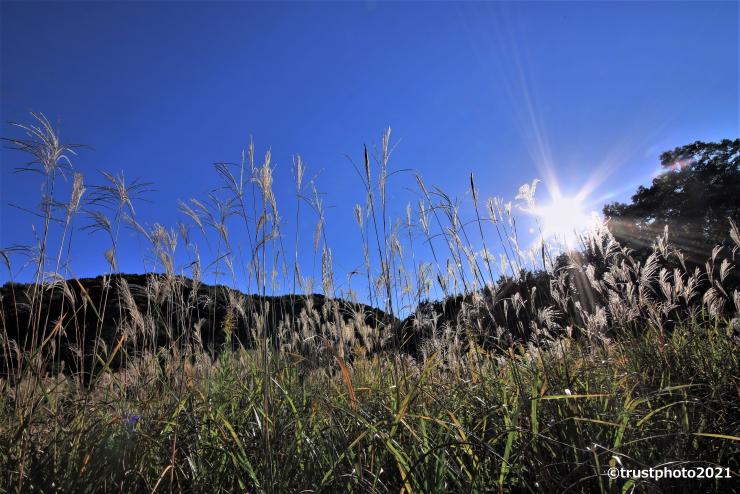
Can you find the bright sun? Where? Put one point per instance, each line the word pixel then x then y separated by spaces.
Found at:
pixel 563 219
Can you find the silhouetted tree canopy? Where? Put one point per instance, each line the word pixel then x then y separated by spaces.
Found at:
pixel 695 196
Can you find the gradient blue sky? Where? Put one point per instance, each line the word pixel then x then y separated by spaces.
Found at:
pixel 578 92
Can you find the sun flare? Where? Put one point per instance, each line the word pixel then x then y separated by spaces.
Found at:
pixel 563 219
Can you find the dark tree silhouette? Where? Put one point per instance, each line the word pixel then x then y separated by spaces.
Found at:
pixel 696 196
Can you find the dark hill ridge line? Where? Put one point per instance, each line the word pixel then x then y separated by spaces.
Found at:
pixel 176 311
pixel 183 312
pixel 181 315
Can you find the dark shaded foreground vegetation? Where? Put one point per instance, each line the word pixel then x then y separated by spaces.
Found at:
pixel 550 420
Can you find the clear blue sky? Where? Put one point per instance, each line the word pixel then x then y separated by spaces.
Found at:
pixel 592 91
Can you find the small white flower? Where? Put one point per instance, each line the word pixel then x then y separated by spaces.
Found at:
pixel 567 391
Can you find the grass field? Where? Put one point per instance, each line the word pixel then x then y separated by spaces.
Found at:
pixel 537 374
